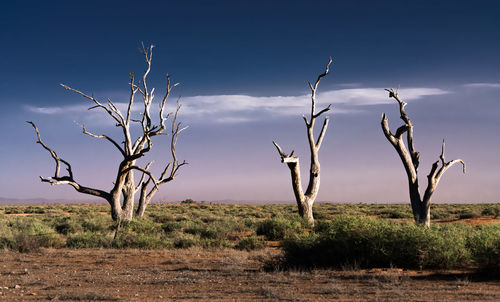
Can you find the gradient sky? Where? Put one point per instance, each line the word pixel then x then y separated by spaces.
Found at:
pixel 243 68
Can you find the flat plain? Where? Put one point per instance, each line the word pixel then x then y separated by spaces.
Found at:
pixel 204 253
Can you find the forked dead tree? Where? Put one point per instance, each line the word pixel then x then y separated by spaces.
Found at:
pixel 122 195
pixel 410 158
pixel 306 200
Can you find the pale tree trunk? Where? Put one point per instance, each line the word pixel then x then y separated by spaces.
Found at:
pixel 410 159
pixel 121 196
pixel 306 200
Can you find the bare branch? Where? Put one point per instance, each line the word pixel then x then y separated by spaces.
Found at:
pixel 98 104
pixel 143 175
pixel 327 69
pixel 322 133
pixel 322 111
pixel 313 92
pixel 446 165
pixel 442 154
pixel 57 179
pixel 54 155
pixel 400 131
pixel 143 170
pixel 408 127
pixel 387 131
pixel 287 159
pixel 280 151
pixel 133 90
pixel 84 130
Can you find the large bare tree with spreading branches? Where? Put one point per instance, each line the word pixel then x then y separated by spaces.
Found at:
pixel 122 195
pixel 306 200
pixel 410 158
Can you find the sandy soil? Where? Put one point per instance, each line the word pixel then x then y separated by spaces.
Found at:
pixel 223 275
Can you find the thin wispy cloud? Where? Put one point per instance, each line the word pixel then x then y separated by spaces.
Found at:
pixel 55 109
pixel 482 85
pixel 244 108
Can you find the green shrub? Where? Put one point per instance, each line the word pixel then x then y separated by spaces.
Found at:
pixel 30 234
pixel 158 218
pixel 6 243
pixel 97 223
pixel 366 242
pixel 89 240
pixel 141 226
pixel 214 243
pixel 251 243
pixel 493 210
pixel 67 225
pixel 170 227
pixel 279 228
pixel 34 210
pixel 184 242
pixel 468 214
pixel 484 245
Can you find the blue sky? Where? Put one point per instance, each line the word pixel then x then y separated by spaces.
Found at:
pixel 243 68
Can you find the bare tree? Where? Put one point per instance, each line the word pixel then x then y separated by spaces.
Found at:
pixel 306 200
pixel 122 195
pixel 410 158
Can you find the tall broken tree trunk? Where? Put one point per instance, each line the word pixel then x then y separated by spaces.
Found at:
pixel 306 200
pixel 410 158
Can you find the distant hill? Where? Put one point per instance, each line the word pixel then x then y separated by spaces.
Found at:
pixel 33 201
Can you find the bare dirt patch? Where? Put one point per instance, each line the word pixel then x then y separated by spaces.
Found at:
pixel 207 275
pixel 473 221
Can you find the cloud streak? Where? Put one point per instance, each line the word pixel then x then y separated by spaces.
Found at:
pixel 482 85
pixel 230 109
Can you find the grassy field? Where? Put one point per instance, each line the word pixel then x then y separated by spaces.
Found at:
pixel 198 251
pixel 368 235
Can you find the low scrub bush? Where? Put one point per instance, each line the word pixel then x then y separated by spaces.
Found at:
pixel 89 240
pixel 97 223
pixel 30 234
pixel 467 214
pixel 366 242
pixel 185 241
pixel 67 225
pixel 251 243
pixel 140 226
pixel 484 245
pixel 170 227
pixel 279 228
pixel 493 210
pixel 5 243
